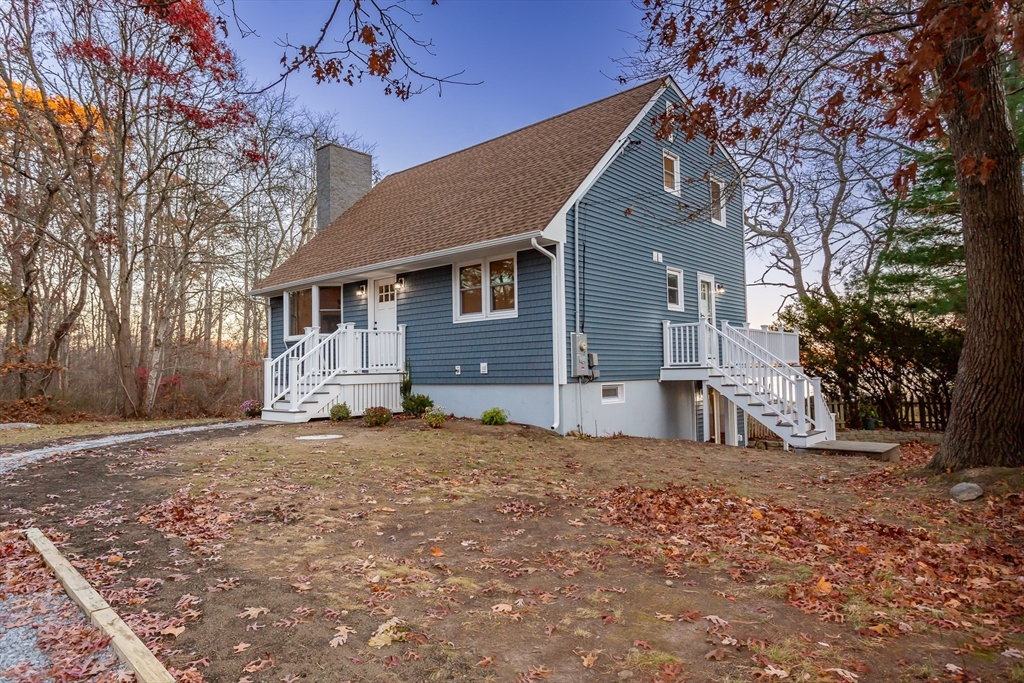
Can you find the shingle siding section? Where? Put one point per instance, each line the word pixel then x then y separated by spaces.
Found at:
pixel 516 350
pixel 277 345
pixel 354 306
pixel 625 217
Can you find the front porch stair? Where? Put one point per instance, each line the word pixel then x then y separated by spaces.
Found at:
pixel 358 391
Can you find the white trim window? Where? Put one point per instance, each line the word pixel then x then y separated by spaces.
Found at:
pixel 670 171
pixel 329 308
pixel 484 290
pixel 674 288
pixel 669 108
pixel 613 393
pixel 716 191
pixel 298 312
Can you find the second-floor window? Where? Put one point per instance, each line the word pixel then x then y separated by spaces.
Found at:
pixel 670 168
pixel 717 188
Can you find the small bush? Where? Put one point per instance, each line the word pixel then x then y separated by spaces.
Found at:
pixel 435 417
pixel 340 412
pixel 406 386
pixel 494 416
pixel 377 417
pixel 252 408
pixel 416 404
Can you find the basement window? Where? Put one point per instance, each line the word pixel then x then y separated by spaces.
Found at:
pixel 613 393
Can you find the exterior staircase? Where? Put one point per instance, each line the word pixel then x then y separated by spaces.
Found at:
pixel 361 368
pixel 768 387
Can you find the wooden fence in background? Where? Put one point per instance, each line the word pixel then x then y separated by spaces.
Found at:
pixel 915 413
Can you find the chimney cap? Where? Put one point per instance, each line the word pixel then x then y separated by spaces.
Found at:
pixel 335 144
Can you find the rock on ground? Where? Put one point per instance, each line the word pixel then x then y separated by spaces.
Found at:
pixel 966 491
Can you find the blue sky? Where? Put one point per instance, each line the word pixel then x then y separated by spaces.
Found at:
pixel 534 59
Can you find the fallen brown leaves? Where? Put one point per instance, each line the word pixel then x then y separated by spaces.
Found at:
pixel 195 519
pixel 75 649
pixel 908 575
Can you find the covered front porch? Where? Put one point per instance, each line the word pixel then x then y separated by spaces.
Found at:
pixel 361 368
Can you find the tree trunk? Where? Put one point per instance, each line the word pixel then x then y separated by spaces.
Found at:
pixel 986 423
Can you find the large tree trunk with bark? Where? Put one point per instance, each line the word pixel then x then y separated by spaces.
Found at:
pixel 986 424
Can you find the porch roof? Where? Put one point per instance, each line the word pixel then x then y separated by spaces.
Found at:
pixel 510 186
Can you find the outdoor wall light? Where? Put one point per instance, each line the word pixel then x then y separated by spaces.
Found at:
pixel 361 292
pixel 720 289
pixel 400 283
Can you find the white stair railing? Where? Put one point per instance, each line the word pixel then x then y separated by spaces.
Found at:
pixel 275 370
pixel 344 351
pixel 796 397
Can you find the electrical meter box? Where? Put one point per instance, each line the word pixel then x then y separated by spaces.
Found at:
pixel 580 364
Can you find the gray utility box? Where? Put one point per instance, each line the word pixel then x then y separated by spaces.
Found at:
pixel 580 359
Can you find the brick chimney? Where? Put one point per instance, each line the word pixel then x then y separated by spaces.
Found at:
pixel 343 176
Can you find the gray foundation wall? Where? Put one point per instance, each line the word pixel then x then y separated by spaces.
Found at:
pixel 661 410
pixel 526 403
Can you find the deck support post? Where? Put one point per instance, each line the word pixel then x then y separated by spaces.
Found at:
pixel 401 347
pixel 801 407
pixel 666 343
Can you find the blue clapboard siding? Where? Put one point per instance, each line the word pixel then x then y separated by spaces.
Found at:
pixel 354 306
pixel 277 345
pixel 625 217
pixel 517 350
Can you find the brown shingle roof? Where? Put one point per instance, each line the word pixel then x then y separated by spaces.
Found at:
pixel 511 185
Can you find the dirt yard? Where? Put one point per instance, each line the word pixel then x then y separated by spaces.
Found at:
pixel 477 553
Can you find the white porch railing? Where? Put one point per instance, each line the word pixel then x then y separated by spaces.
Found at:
pixel 316 359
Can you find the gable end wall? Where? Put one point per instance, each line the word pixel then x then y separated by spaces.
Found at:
pixel 623 297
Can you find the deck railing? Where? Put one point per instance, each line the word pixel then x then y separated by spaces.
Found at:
pixel 316 359
pixel 796 398
pixel 783 344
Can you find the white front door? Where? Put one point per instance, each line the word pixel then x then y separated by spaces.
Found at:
pixel 385 306
pixel 706 310
pixel 382 343
pixel 706 296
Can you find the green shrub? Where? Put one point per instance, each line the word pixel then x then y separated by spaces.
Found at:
pixel 406 386
pixel 416 404
pixel 340 412
pixel 377 417
pixel 435 417
pixel 494 416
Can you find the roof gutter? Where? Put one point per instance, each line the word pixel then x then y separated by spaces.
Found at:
pixel 402 262
pixel 555 334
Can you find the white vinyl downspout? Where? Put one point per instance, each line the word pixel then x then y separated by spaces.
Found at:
pixel 555 333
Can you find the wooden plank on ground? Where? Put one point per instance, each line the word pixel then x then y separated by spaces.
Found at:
pixel 130 650
pixel 77 588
